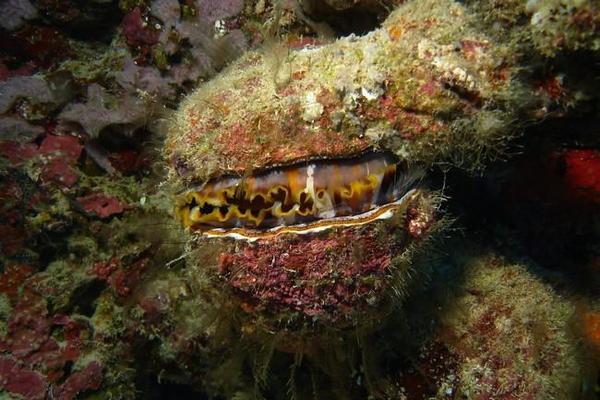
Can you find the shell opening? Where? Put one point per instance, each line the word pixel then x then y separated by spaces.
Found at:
pixel 300 196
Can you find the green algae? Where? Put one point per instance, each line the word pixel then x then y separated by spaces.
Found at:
pixel 94 62
pixel 5 311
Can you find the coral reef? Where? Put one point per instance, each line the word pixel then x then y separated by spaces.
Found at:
pixel 429 85
pixel 502 333
pixel 477 281
pixel 505 322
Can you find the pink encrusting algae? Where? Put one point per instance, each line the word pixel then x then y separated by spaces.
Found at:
pixel 292 265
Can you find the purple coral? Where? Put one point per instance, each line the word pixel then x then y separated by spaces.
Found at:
pixel 32 88
pixel 215 10
pixel 207 53
pixel 14 13
pixel 18 130
pixel 103 109
pixel 148 79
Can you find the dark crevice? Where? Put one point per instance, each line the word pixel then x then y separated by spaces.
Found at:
pixel 358 19
pixel 152 388
pixel 83 300
pixel 527 208
pixel 81 19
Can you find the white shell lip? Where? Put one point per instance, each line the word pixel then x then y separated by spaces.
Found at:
pixel 383 212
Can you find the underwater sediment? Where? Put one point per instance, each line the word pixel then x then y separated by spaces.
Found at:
pixel 258 199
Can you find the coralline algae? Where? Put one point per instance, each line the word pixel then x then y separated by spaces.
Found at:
pixel 319 288
pixel 427 87
pixel 405 87
pixel 431 86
